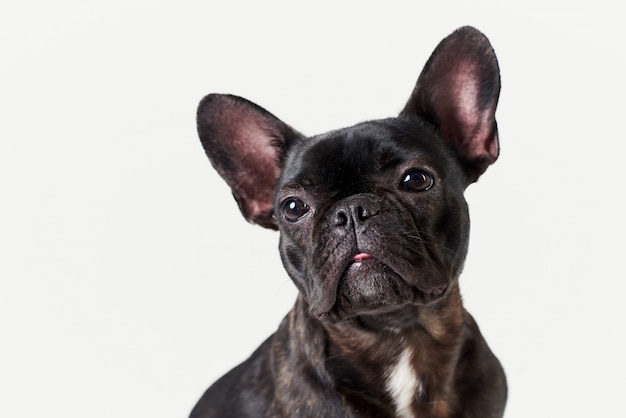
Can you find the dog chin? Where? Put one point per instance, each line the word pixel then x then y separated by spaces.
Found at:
pixel 370 288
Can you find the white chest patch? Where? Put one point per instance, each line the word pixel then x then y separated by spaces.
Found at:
pixel 403 384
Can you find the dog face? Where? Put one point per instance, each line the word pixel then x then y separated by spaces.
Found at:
pixel 372 217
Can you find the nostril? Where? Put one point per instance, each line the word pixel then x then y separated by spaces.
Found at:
pixel 364 213
pixel 340 218
pixel 356 210
pixel 361 213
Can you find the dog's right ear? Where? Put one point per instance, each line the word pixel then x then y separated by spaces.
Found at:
pixel 246 144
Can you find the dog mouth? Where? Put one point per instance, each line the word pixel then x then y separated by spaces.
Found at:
pixel 430 291
pixel 360 257
pixel 370 286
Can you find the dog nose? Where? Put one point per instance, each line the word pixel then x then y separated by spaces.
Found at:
pixel 356 209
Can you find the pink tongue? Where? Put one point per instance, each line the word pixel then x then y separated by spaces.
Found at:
pixel 361 257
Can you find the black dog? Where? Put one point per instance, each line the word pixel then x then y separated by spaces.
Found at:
pixel 374 232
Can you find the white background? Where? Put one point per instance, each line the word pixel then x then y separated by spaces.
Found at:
pixel 128 280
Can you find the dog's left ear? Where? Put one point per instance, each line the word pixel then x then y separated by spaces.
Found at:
pixel 458 92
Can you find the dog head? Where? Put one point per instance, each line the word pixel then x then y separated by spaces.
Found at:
pixel 372 217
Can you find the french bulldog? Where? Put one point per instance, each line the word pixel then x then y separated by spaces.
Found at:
pixel 374 231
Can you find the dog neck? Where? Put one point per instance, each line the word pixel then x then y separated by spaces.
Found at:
pixel 410 366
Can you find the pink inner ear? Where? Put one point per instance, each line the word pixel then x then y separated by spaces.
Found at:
pixel 472 126
pixel 465 89
pixel 244 143
pixel 258 171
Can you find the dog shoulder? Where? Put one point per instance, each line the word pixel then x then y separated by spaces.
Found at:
pixel 479 379
pixel 245 391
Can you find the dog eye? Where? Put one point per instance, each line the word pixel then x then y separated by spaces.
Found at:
pixel 417 180
pixel 294 209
